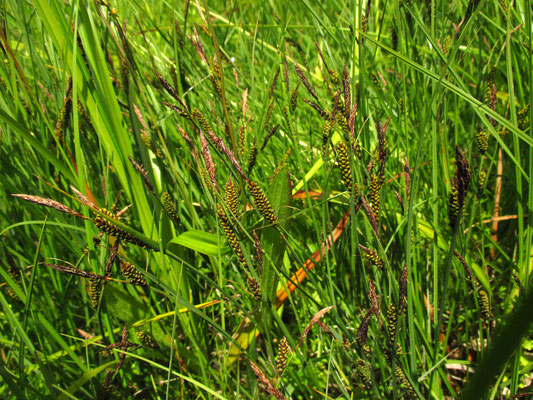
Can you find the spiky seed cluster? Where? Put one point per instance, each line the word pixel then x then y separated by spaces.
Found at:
pixel 325 137
pixel 447 44
pixel 294 99
pixel 453 206
pixel 522 114
pixel 482 141
pixel 125 75
pixel 141 171
pixel 402 302
pixel 113 230
pixel 147 140
pixel 147 340
pixel 481 183
pixel 168 205
pixel 254 287
pixel 288 120
pixel 130 273
pixel 404 382
pixel 340 119
pixel 270 109
pixel 231 198
pixel 343 161
pixel 362 332
pixel 484 305
pixel 346 344
pixel 242 137
pixel 262 203
pixel 253 157
pixel 94 289
pixel 283 355
pixel 373 257
pixel 363 370
pixel 201 120
pixel 230 235
pixel 66 110
pixel 375 186
pixel 490 84
pixel 392 322
pixel 459 187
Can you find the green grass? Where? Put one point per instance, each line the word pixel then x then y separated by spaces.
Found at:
pixel 413 69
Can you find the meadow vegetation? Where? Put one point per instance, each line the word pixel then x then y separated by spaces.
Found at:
pixel 261 199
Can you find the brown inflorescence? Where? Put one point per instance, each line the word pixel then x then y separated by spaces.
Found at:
pixel 254 287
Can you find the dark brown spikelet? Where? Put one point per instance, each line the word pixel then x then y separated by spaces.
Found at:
pixel 362 332
pixel 230 235
pixel 147 340
pixel 125 75
pixel 305 81
pixel 482 141
pixel 364 371
pixel 144 174
pixel 130 273
pixel 404 382
pixel 254 287
pixel 262 203
pixel 468 272
pixel 42 201
pixel 325 137
pixel 107 387
pixel 323 113
pixel 294 99
pixel 344 164
pixel 392 322
pixel 201 120
pixel 252 157
pixel 231 198
pixel 94 288
pixel 484 305
pixel 215 79
pixel 113 230
pixel 373 257
pixel 169 207
pixel 481 182
pixel 283 355
pixel 269 135
pixel 375 187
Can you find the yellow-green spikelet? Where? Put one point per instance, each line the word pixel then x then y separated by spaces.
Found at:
pixel 294 99
pixel 453 206
pixel 363 370
pixel 113 230
pixel 146 339
pixel 262 203
pixel 481 183
pixel 373 257
pixel 94 288
pixel 404 382
pixel 482 141
pixel 344 164
pixel 254 287
pixel 230 234
pixel 392 322
pixel 131 274
pixel 484 304
pixel 231 198
pixel 283 355
pixel 201 120
pixel 375 187
pixel 325 137
pixel 168 205
pixel 270 109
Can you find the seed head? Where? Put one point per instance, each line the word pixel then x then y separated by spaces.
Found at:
pixel 262 203
pixel 130 273
pixel 283 355
pixel 254 288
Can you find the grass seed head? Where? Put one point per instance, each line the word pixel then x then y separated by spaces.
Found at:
pixel 169 207
pixel 94 288
pixel 230 235
pixel 113 230
pixel 283 355
pixel 482 141
pixel 201 120
pixel 375 187
pixel 254 287
pixel 262 203
pixel 231 197
pixel 130 273
pixel 392 322
pixel 373 257
pixel 147 340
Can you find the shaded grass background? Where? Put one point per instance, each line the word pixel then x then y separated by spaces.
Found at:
pixel 428 94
